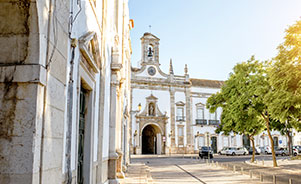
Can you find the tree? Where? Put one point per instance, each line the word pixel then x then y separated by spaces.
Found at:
pixel 284 74
pixel 242 99
pixel 235 116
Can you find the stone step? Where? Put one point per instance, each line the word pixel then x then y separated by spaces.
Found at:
pixel 137 173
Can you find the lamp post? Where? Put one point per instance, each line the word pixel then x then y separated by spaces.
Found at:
pixel 136 132
pixel 169 135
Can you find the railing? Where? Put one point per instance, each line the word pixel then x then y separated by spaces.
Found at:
pixel 180 118
pixel 201 122
pixel 213 122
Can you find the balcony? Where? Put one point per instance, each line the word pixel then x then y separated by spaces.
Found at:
pixel 213 122
pixel 201 122
pixel 180 118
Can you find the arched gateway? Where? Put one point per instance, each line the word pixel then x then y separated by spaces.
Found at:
pixel 152 128
pixel 151 140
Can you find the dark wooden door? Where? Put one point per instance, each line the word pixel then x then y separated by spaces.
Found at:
pixel 81 137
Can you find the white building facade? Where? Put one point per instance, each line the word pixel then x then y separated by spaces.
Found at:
pixel 173 118
pixel 64 91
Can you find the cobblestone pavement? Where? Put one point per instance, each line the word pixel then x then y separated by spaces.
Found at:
pixel 179 170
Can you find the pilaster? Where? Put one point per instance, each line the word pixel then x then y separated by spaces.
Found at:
pixel 115 84
pixel 189 144
pixel 172 118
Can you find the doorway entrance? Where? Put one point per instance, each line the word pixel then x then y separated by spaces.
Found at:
pixel 151 140
pixel 214 144
pixel 246 141
pixel 81 136
pixel 275 139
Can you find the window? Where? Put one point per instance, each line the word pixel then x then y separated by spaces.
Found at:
pixel 180 114
pixel 180 111
pixel 199 112
pixel 180 131
pixel 213 116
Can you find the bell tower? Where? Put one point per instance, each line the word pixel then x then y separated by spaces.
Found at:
pixel 149 49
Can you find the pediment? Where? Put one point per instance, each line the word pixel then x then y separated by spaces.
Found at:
pixel 151 97
pixel 200 104
pixel 89 48
pixel 180 103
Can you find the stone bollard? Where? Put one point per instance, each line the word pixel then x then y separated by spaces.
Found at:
pixel 290 181
pixel 242 170
pixel 262 162
pixel 274 179
pixel 234 169
pixel 250 173
pixel 260 177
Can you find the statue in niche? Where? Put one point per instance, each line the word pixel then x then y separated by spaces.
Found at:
pixel 151 109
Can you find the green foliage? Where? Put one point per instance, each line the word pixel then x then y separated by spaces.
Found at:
pixel 284 74
pixel 241 99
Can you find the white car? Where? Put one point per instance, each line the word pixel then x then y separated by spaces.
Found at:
pixel 237 151
pixel 265 150
pixel 223 151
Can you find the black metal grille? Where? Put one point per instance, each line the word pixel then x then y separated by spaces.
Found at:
pixel 213 122
pixel 180 118
pixel 201 121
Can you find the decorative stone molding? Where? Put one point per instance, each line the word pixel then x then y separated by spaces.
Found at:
pixel 89 47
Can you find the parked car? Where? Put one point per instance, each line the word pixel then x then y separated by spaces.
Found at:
pixel 281 151
pixel 223 151
pixel 296 150
pixel 265 150
pixel 205 151
pixel 250 150
pixel 237 151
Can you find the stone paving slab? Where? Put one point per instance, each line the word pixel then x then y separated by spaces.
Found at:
pixel 172 170
pixel 267 173
pixel 196 173
pixel 137 173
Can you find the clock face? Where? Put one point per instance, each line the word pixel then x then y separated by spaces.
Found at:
pixel 151 71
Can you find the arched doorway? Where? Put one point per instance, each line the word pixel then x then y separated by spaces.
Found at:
pixel 151 140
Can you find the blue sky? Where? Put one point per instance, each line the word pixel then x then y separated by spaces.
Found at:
pixel 211 36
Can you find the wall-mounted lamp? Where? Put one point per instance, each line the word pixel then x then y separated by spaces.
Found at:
pixel 135 134
pixel 197 134
pixel 170 133
pixel 139 107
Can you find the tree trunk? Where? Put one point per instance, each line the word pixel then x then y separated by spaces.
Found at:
pixel 289 142
pixel 272 142
pixel 253 147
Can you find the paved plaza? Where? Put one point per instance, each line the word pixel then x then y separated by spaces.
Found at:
pixel 182 170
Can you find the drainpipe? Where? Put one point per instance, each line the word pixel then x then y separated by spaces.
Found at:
pixel 70 101
pixel 69 114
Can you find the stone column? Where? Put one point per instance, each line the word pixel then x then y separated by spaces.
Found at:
pixel 172 119
pixel 188 120
pixel 115 83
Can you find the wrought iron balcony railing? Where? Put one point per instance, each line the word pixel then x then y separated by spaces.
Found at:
pixel 180 118
pixel 213 122
pixel 201 122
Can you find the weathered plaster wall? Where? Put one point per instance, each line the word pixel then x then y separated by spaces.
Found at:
pixel 20 116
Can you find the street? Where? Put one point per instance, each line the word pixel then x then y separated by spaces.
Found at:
pixel 216 158
pixel 186 170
